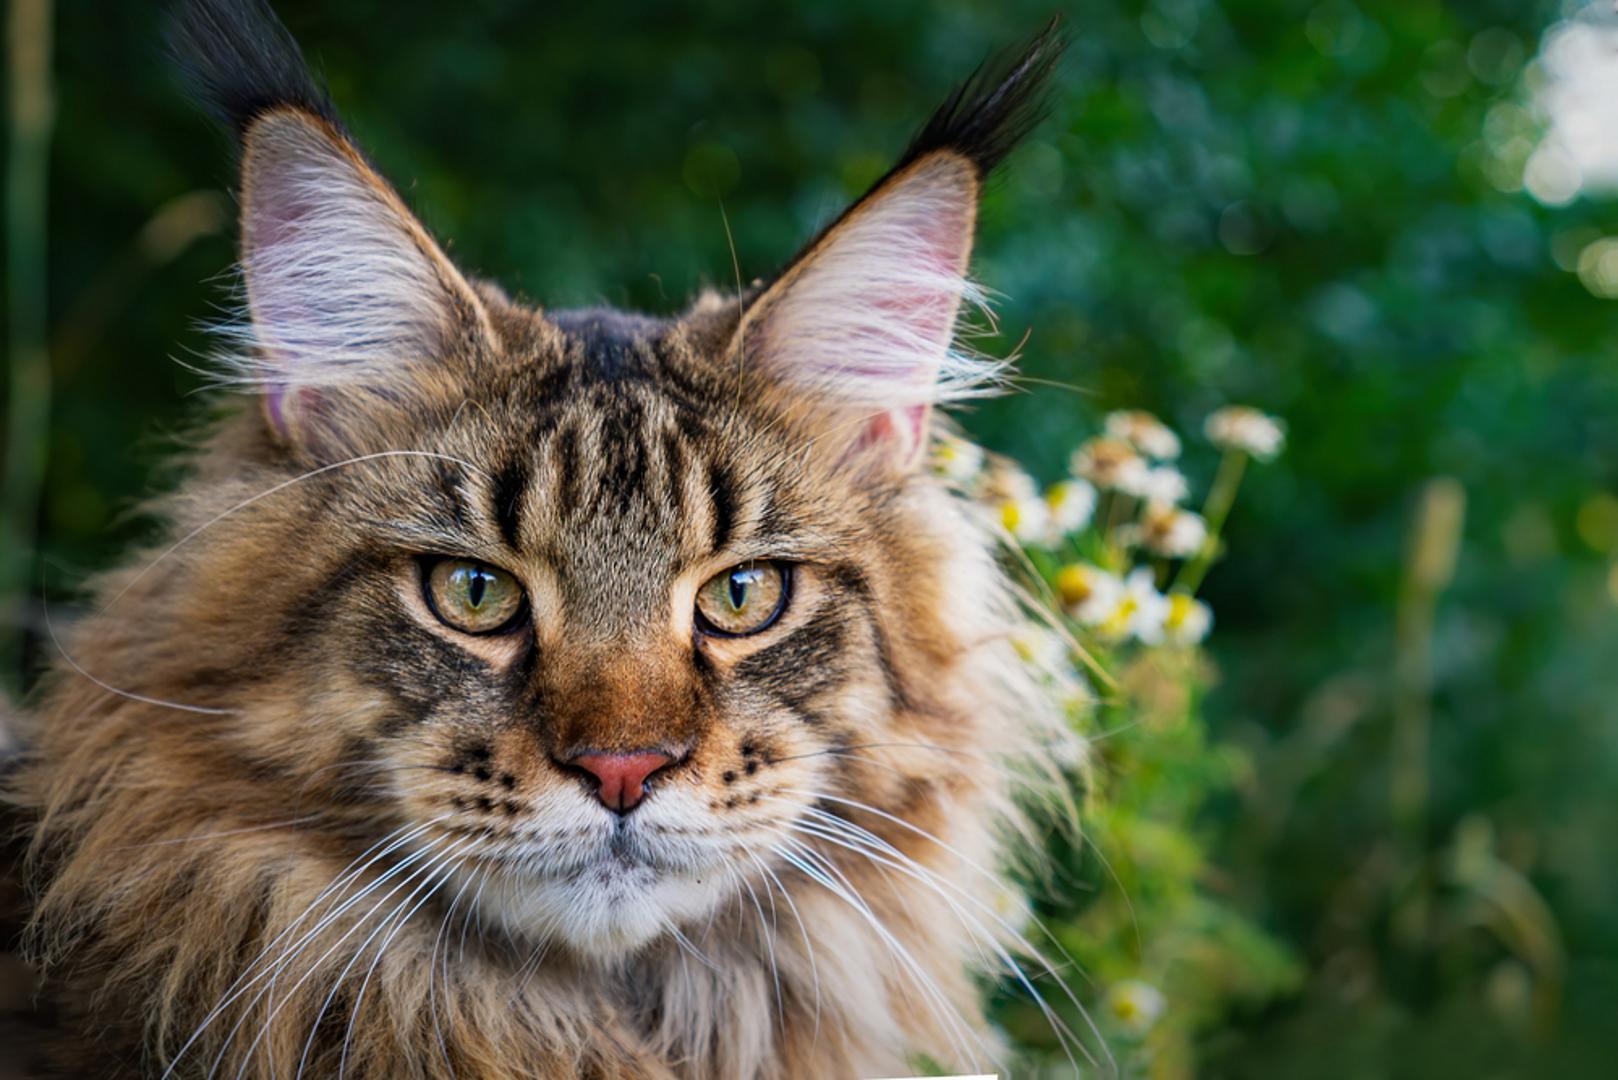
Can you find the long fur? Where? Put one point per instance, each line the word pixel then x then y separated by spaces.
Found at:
pixel 283 820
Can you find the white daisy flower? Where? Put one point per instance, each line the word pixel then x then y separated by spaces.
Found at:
pixel 1168 530
pixel 1138 611
pixel 1088 593
pixel 1005 481
pixel 1164 484
pixel 1241 427
pixel 1135 1006
pixel 1071 503
pixel 1027 519
pixel 1040 646
pixel 1050 655
pixel 1188 620
pixel 1146 432
pixel 956 460
pixel 1110 463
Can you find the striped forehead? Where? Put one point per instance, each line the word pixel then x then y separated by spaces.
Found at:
pixel 623 471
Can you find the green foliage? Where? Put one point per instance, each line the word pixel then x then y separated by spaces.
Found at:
pixel 1132 902
pixel 1293 203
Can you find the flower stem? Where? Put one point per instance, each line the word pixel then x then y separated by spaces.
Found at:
pixel 1214 511
pixel 1119 508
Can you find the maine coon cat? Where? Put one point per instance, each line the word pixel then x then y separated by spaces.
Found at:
pixel 523 692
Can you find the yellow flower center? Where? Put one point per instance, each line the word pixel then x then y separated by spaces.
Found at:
pixel 1117 624
pixel 1075 584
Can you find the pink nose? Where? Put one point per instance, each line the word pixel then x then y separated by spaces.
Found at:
pixel 621 778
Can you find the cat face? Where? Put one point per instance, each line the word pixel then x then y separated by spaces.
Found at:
pixel 593 606
pixel 584 611
pixel 608 628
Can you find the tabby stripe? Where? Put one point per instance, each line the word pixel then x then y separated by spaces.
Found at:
pixel 674 470
pixel 509 486
pixel 567 468
pixel 850 577
pixel 801 666
pixel 723 497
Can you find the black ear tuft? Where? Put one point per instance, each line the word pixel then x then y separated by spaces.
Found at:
pixel 986 116
pixel 241 61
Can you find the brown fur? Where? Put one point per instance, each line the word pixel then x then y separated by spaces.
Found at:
pixel 259 704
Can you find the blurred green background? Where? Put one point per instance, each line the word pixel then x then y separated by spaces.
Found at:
pixel 1312 206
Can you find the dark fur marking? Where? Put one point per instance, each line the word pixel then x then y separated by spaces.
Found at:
pixel 802 666
pixel 307 622
pixel 413 666
pixel 691 424
pixel 852 578
pixel 623 454
pixel 509 486
pixel 674 472
pixel 241 62
pixel 723 496
pixel 613 343
pixel 567 469
pixel 985 117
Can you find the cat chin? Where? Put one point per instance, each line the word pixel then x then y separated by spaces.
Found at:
pixel 604 912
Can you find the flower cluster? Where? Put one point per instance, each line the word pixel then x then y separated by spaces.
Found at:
pixel 1120 547
pixel 1117 523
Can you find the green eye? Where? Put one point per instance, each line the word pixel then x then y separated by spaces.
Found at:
pixel 471 596
pixel 742 600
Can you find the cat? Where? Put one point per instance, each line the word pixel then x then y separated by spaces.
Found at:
pixel 552 693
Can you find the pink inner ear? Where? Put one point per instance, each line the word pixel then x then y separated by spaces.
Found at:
pixel 294 412
pixel 275 410
pixel 914 301
pixel 931 308
pixel 868 315
pixel 897 435
pixel 278 231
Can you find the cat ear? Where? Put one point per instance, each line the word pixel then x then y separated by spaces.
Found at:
pixel 345 288
pixel 859 329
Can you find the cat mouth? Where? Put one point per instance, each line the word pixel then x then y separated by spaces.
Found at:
pixel 617 854
pixel 607 901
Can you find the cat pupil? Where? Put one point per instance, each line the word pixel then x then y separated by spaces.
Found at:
pixel 740 582
pixel 475 588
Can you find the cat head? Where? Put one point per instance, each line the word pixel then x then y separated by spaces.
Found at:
pixel 588 608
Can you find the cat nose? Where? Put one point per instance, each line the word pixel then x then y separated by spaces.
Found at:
pixel 620 779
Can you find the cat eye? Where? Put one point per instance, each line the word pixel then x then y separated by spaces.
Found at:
pixel 472 597
pixel 743 600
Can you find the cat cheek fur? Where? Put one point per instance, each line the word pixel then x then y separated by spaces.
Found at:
pixel 285 820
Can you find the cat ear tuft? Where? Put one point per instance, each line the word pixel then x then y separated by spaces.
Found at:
pixel 861 326
pixel 241 62
pixel 345 288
